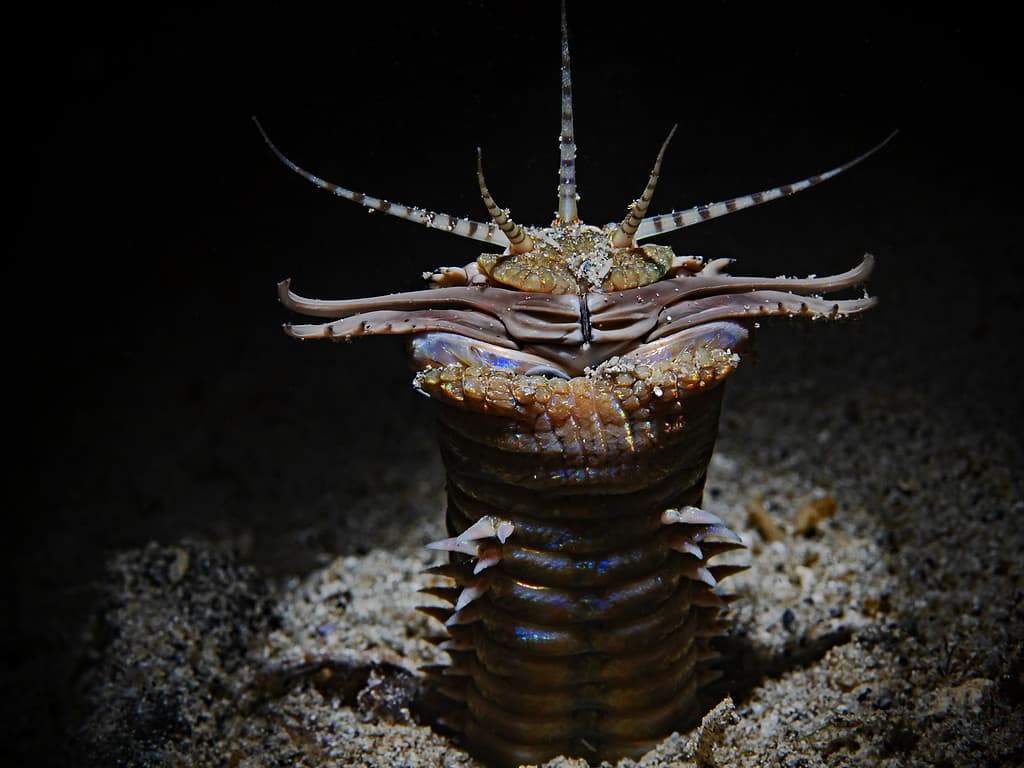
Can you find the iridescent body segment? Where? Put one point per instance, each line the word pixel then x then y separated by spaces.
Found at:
pixel 578 378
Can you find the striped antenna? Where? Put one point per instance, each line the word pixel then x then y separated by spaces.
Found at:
pixel 567 213
pixel 519 241
pixel 656 225
pixel 622 236
pixel 475 230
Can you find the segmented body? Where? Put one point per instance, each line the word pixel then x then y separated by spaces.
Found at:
pixel 591 635
pixel 578 378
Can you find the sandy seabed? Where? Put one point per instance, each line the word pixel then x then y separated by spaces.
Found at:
pixel 879 624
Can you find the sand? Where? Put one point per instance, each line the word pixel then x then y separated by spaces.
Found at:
pixel 884 630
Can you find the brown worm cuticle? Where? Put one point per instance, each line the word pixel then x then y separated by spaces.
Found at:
pixel 578 378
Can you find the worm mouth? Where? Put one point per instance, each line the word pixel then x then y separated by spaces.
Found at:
pixel 568 333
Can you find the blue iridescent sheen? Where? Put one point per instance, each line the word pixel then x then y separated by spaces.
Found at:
pixel 430 350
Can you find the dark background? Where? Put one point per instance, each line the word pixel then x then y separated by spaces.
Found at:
pixel 154 396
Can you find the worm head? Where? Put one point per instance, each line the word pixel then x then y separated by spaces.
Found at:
pixel 568 296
